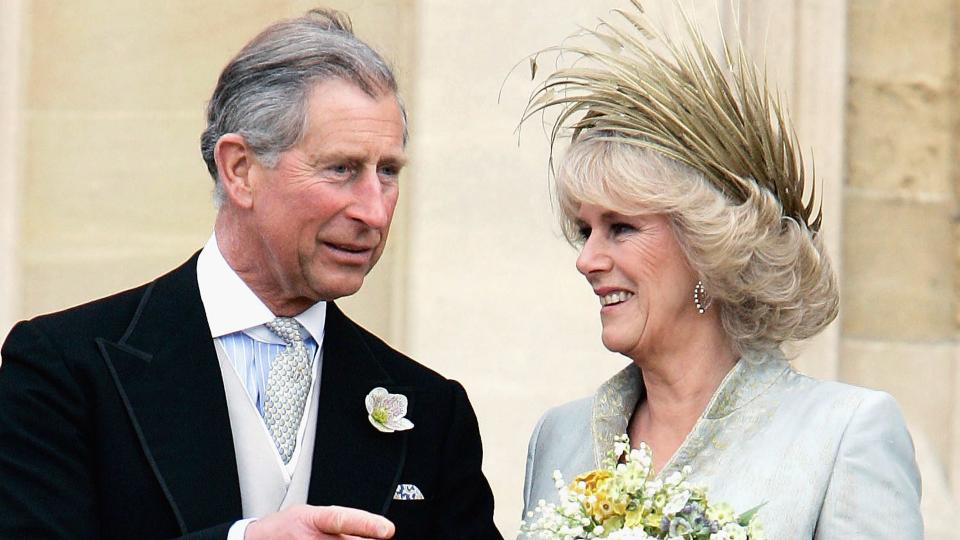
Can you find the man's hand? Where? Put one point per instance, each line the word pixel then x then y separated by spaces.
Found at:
pixel 319 522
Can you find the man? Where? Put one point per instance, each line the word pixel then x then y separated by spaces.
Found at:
pixel 233 388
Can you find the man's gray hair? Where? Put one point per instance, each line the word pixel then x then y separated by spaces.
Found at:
pixel 262 93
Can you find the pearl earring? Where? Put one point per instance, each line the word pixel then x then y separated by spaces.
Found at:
pixel 700 297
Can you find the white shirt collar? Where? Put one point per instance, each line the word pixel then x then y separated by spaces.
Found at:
pixel 230 304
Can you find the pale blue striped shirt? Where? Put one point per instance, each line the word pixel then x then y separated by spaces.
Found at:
pixel 252 358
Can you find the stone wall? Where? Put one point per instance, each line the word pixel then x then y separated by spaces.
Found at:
pixel 105 189
pixel 11 27
pixel 112 186
pixel 900 232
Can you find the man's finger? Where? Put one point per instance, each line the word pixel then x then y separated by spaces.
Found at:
pixel 349 521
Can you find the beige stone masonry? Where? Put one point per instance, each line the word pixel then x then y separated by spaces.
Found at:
pixel 102 187
pixel 900 234
pixel 11 30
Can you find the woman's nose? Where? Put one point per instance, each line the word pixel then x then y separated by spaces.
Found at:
pixel 593 257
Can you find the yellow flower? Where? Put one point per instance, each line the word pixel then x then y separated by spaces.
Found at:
pixel 652 519
pixel 634 517
pixel 588 483
pixel 613 523
pixel 596 498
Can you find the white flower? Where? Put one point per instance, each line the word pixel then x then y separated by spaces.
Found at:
pixel 674 479
pixel 620 448
pixel 629 534
pixel 386 411
pixel 730 531
pixel 676 503
pixel 721 512
pixel 755 530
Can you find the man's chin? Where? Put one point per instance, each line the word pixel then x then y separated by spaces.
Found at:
pixel 331 291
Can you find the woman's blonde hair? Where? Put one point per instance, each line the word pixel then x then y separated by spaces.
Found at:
pixel 768 274
pixel 663 125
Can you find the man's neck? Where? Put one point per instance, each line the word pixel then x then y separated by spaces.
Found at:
pixel 238 255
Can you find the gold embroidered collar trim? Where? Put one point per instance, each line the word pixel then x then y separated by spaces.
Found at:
pixel 617 398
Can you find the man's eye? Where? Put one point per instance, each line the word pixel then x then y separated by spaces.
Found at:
pixel 389 171
pixel 339 169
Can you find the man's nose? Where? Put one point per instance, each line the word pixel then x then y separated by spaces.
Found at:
pixel 371 203
pixel 593 258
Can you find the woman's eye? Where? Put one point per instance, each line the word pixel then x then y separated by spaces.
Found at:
pixel 621 228
pixel 583 233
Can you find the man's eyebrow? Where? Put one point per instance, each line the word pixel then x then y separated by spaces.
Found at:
pixel 331 155
pixel 395 160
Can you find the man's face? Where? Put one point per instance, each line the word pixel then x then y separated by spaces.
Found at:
pixel 323 212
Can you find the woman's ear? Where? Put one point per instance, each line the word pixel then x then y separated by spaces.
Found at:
pixel 235 160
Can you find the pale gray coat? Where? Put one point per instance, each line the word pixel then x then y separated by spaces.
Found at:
pixel 830 460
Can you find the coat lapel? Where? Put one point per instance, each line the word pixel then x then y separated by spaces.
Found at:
pixel 353 464
pixel 166 370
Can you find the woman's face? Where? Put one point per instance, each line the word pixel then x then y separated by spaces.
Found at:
pixel 640 276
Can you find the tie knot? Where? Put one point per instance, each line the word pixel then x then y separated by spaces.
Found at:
pixel 287 328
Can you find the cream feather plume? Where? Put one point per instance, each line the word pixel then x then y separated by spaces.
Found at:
pixel 717 116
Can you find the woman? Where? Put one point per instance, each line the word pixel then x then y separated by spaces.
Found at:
pixel 684 188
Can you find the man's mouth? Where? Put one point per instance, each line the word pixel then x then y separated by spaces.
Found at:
pixel 358 255
pixel 349 248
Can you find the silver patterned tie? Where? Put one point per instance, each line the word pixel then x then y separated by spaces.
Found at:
pixel 287 386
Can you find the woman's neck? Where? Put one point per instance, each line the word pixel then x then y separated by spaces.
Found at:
pixel 679 384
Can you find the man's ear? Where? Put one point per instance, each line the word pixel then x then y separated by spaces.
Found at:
pixel 235 160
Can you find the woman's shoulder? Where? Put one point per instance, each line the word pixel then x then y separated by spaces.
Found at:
pixel 837 397
pixel 836 410
pixel 561 441
pixel 566 416
pixel 873 456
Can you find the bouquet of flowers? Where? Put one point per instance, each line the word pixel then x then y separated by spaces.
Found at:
pixel 622 501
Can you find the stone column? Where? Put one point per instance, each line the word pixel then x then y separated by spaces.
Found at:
pixel 11 25
pixel 900 232
pixel 802 43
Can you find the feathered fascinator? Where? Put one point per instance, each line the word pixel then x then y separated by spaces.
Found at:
pixel 716 116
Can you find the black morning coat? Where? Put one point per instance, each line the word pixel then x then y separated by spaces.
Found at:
pixel 113 424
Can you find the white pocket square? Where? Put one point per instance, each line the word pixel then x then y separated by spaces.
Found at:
pixel 407 492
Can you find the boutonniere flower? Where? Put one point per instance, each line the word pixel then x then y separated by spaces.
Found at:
pixel 386 411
